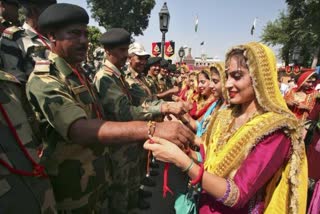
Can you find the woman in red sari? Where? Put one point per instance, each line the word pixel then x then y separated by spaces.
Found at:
pixel 205 97
pixel 302 98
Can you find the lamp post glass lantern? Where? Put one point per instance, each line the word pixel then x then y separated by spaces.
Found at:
pixel 297 58
pixel 181 54
pixel 164 18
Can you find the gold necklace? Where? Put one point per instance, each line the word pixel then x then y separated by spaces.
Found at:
pixel 231 128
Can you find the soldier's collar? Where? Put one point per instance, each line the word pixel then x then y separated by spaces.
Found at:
pixel 153 77
pixel 109 67
pixel 60 64
pixel 133 73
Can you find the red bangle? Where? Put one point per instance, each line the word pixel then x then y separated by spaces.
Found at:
pixel 199 177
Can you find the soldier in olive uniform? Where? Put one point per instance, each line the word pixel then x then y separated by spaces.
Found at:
pixel 75 156
pixel 21 46
pixel 171 79
pixel 138 88
pixel 60 94
pixel 24 186
pixel 162 75
pixel 153 69
pixel 118 105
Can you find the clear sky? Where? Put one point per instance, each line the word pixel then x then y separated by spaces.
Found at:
pixel 222 23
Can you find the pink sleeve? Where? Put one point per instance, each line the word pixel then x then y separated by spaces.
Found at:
pixel 260 165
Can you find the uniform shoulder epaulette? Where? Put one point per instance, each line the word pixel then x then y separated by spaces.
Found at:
pixel 12 32
pixel 42 66
pixel 4 76
pixel 110 72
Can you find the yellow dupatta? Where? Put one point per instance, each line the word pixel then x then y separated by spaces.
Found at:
pixel 286 192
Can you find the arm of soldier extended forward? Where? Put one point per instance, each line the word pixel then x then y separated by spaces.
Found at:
pixel 168 93
pixel 116 102
pixel 51 99
pixel 85 131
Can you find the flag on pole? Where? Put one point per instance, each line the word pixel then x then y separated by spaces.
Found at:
pixel 202 43
pixel 196 24
pixel 253 25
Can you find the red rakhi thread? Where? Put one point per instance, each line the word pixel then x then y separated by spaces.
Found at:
pixel 165 188
pixel 38 170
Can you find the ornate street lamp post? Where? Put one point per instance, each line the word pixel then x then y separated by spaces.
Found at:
pixel 164 17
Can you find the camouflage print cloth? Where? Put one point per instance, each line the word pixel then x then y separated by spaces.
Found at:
pixel 162 83
pixel 116 98
pixel 118 106
pixel 98 57
pixel 19 194
pixel 79 174
pixel 152 83
pixel 19 49
pixel 168 82
pixel 138 88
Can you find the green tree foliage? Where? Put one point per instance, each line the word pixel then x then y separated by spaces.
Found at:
pixel 297 28
pixel 278 33
pixel 94 36
pixel 132 15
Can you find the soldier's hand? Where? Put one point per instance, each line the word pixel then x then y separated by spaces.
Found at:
pixel 175 89
pixel 175 132
pixel 176 98
pixel 176 108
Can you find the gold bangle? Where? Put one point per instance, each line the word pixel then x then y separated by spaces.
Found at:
pixel 151 128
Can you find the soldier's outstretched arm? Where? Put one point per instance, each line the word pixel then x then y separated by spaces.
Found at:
pixel 168 92
pixel 84 131
pixel 51 99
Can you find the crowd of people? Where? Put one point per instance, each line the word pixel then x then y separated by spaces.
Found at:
pixel 81 136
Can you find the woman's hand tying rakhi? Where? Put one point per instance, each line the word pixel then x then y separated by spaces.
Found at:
pixel 164 150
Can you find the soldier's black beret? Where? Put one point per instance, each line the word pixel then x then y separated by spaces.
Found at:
pixel 15 2
pixel 164 63
pixel 153 60
pixel 115 37
pixel 172 67
pixel 37 2
pixel 59 15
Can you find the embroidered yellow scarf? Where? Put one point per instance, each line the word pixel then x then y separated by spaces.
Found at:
pixel 287 190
